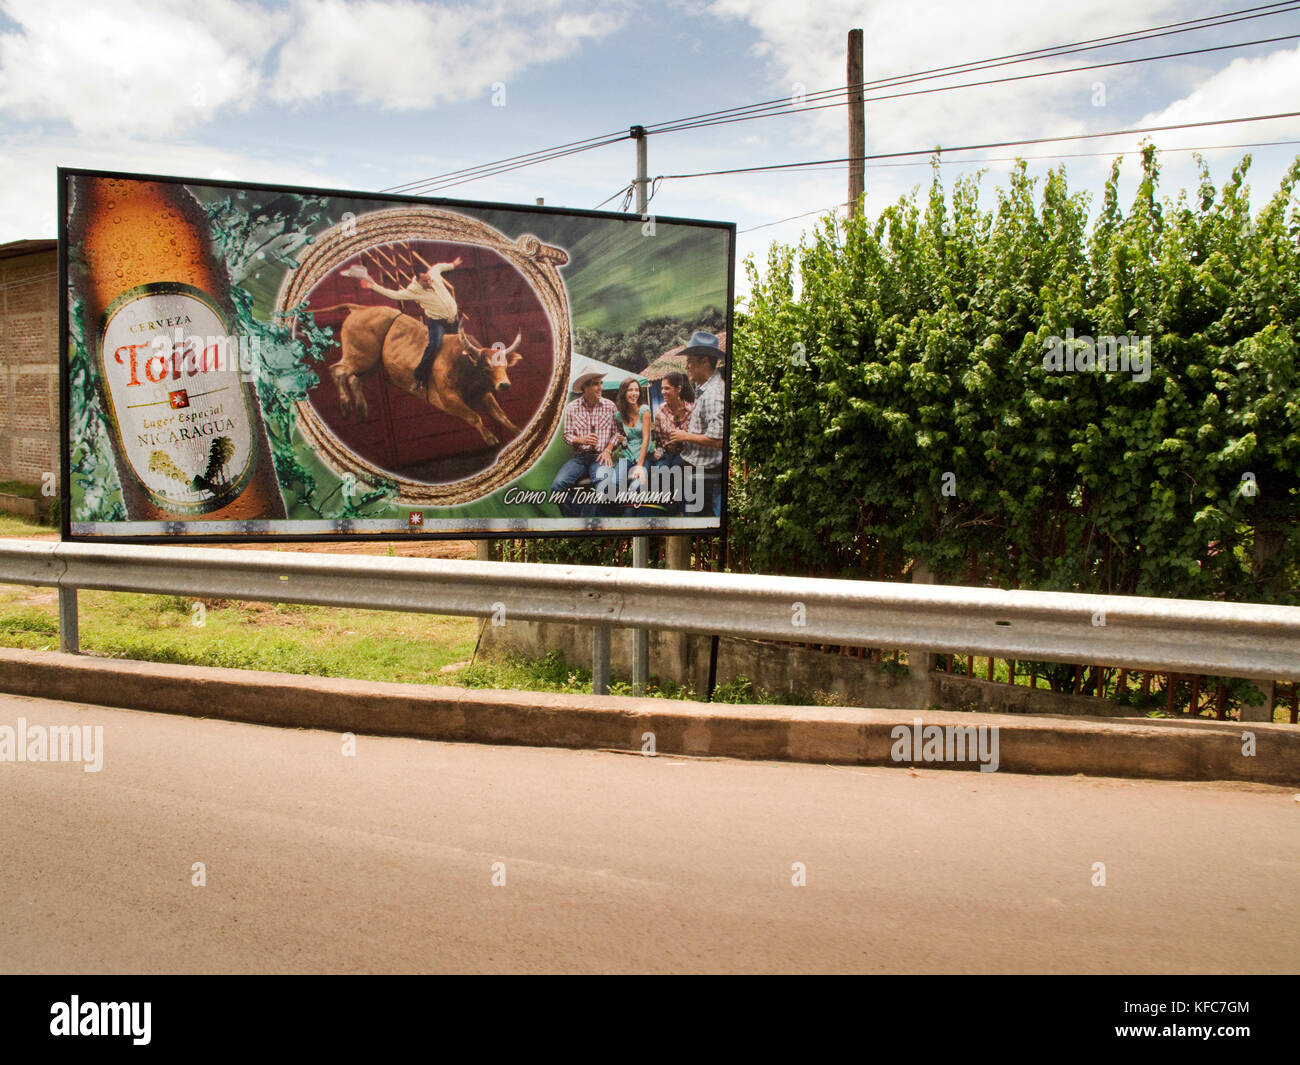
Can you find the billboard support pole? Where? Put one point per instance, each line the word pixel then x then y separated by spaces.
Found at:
pixel 640 544
pixel 600 659
pixel 69 638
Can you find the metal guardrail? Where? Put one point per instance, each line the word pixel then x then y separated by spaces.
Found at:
pixel 1160 635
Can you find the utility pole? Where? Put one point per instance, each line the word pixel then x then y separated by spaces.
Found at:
pixel 677 549
pixel 857 124
pixel 640 544
pixel 639 135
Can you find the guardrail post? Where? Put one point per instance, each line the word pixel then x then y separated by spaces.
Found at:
pixel 600 660
pixel 1263 712
pixel 674 646
pixel 640 637
pixel 69 637
pixel 921 663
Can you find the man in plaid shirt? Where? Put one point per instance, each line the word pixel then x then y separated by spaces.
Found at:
pixel 702 438
pixel 591 428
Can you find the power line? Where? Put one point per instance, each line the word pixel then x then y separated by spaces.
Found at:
pixel 793 217
pixel 788 107
pixel 1081 155
pixel 519 166
pixel 504 166
pixel 619 193
pixel 516 162
pixel 1169 29
pixel 971 67
pixel 1013 159
pixel 938 149
pixel 511 159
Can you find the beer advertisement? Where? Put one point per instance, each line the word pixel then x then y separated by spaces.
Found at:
pixel 260 362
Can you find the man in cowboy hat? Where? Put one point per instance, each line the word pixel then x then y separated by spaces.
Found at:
pixel 437 299
pixel 702 438
pixel 591 428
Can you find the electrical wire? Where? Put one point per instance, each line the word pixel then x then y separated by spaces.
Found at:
pixel 453 178
pixel 603 139
pixel 1007 60
pixel 938 149
pixel 1012 159
pixel 974 65
pixel 493 169
pixel 789 107
pixel 620 192
pixel 793 217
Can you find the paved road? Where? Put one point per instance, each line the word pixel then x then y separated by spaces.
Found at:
pixel 384 861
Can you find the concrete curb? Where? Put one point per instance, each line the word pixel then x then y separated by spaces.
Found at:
pixel 1168 750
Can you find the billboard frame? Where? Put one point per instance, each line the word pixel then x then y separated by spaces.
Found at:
pixel 63 174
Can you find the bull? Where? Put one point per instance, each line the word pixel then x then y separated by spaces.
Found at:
pixel 464 381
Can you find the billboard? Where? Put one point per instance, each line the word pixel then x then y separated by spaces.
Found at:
pixel 262 362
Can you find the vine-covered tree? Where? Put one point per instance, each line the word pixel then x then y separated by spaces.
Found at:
pixel 895 396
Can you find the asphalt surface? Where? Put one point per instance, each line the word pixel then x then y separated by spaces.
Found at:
pixel 384 861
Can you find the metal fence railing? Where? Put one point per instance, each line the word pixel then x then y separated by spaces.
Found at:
pixel 1164 635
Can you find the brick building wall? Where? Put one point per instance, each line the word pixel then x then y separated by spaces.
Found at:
pixel 29 361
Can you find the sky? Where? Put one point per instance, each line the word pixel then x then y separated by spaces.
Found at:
pixel 368 95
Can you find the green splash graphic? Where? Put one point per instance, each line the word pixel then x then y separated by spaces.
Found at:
pixel 96 492
pixel 251 229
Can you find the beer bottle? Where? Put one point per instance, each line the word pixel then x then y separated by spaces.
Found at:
pixel 156 312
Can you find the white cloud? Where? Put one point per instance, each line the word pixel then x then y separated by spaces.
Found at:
pixel 153 67
pixel 27 172
pixel 132 66
pixel 402 55
pixel 1261 85
pixel 806 44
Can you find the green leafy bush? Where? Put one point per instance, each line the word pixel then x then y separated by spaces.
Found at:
pixel 891 401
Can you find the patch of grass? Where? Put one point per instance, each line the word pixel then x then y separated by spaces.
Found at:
pixel 553 673
pixel 21 488
pixel 27 626
pixel 655 689
pixel 741 689
pixel 17 525
pixel 171 604
pixel 549 674
pixel 315 641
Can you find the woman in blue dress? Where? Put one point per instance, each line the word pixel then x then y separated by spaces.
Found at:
pixel 634 420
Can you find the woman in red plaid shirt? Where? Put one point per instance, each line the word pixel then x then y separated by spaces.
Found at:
pixel 674 413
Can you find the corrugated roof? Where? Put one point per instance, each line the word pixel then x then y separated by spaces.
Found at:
pixel 674 361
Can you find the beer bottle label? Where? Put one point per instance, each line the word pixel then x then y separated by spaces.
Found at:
pixel 174 394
